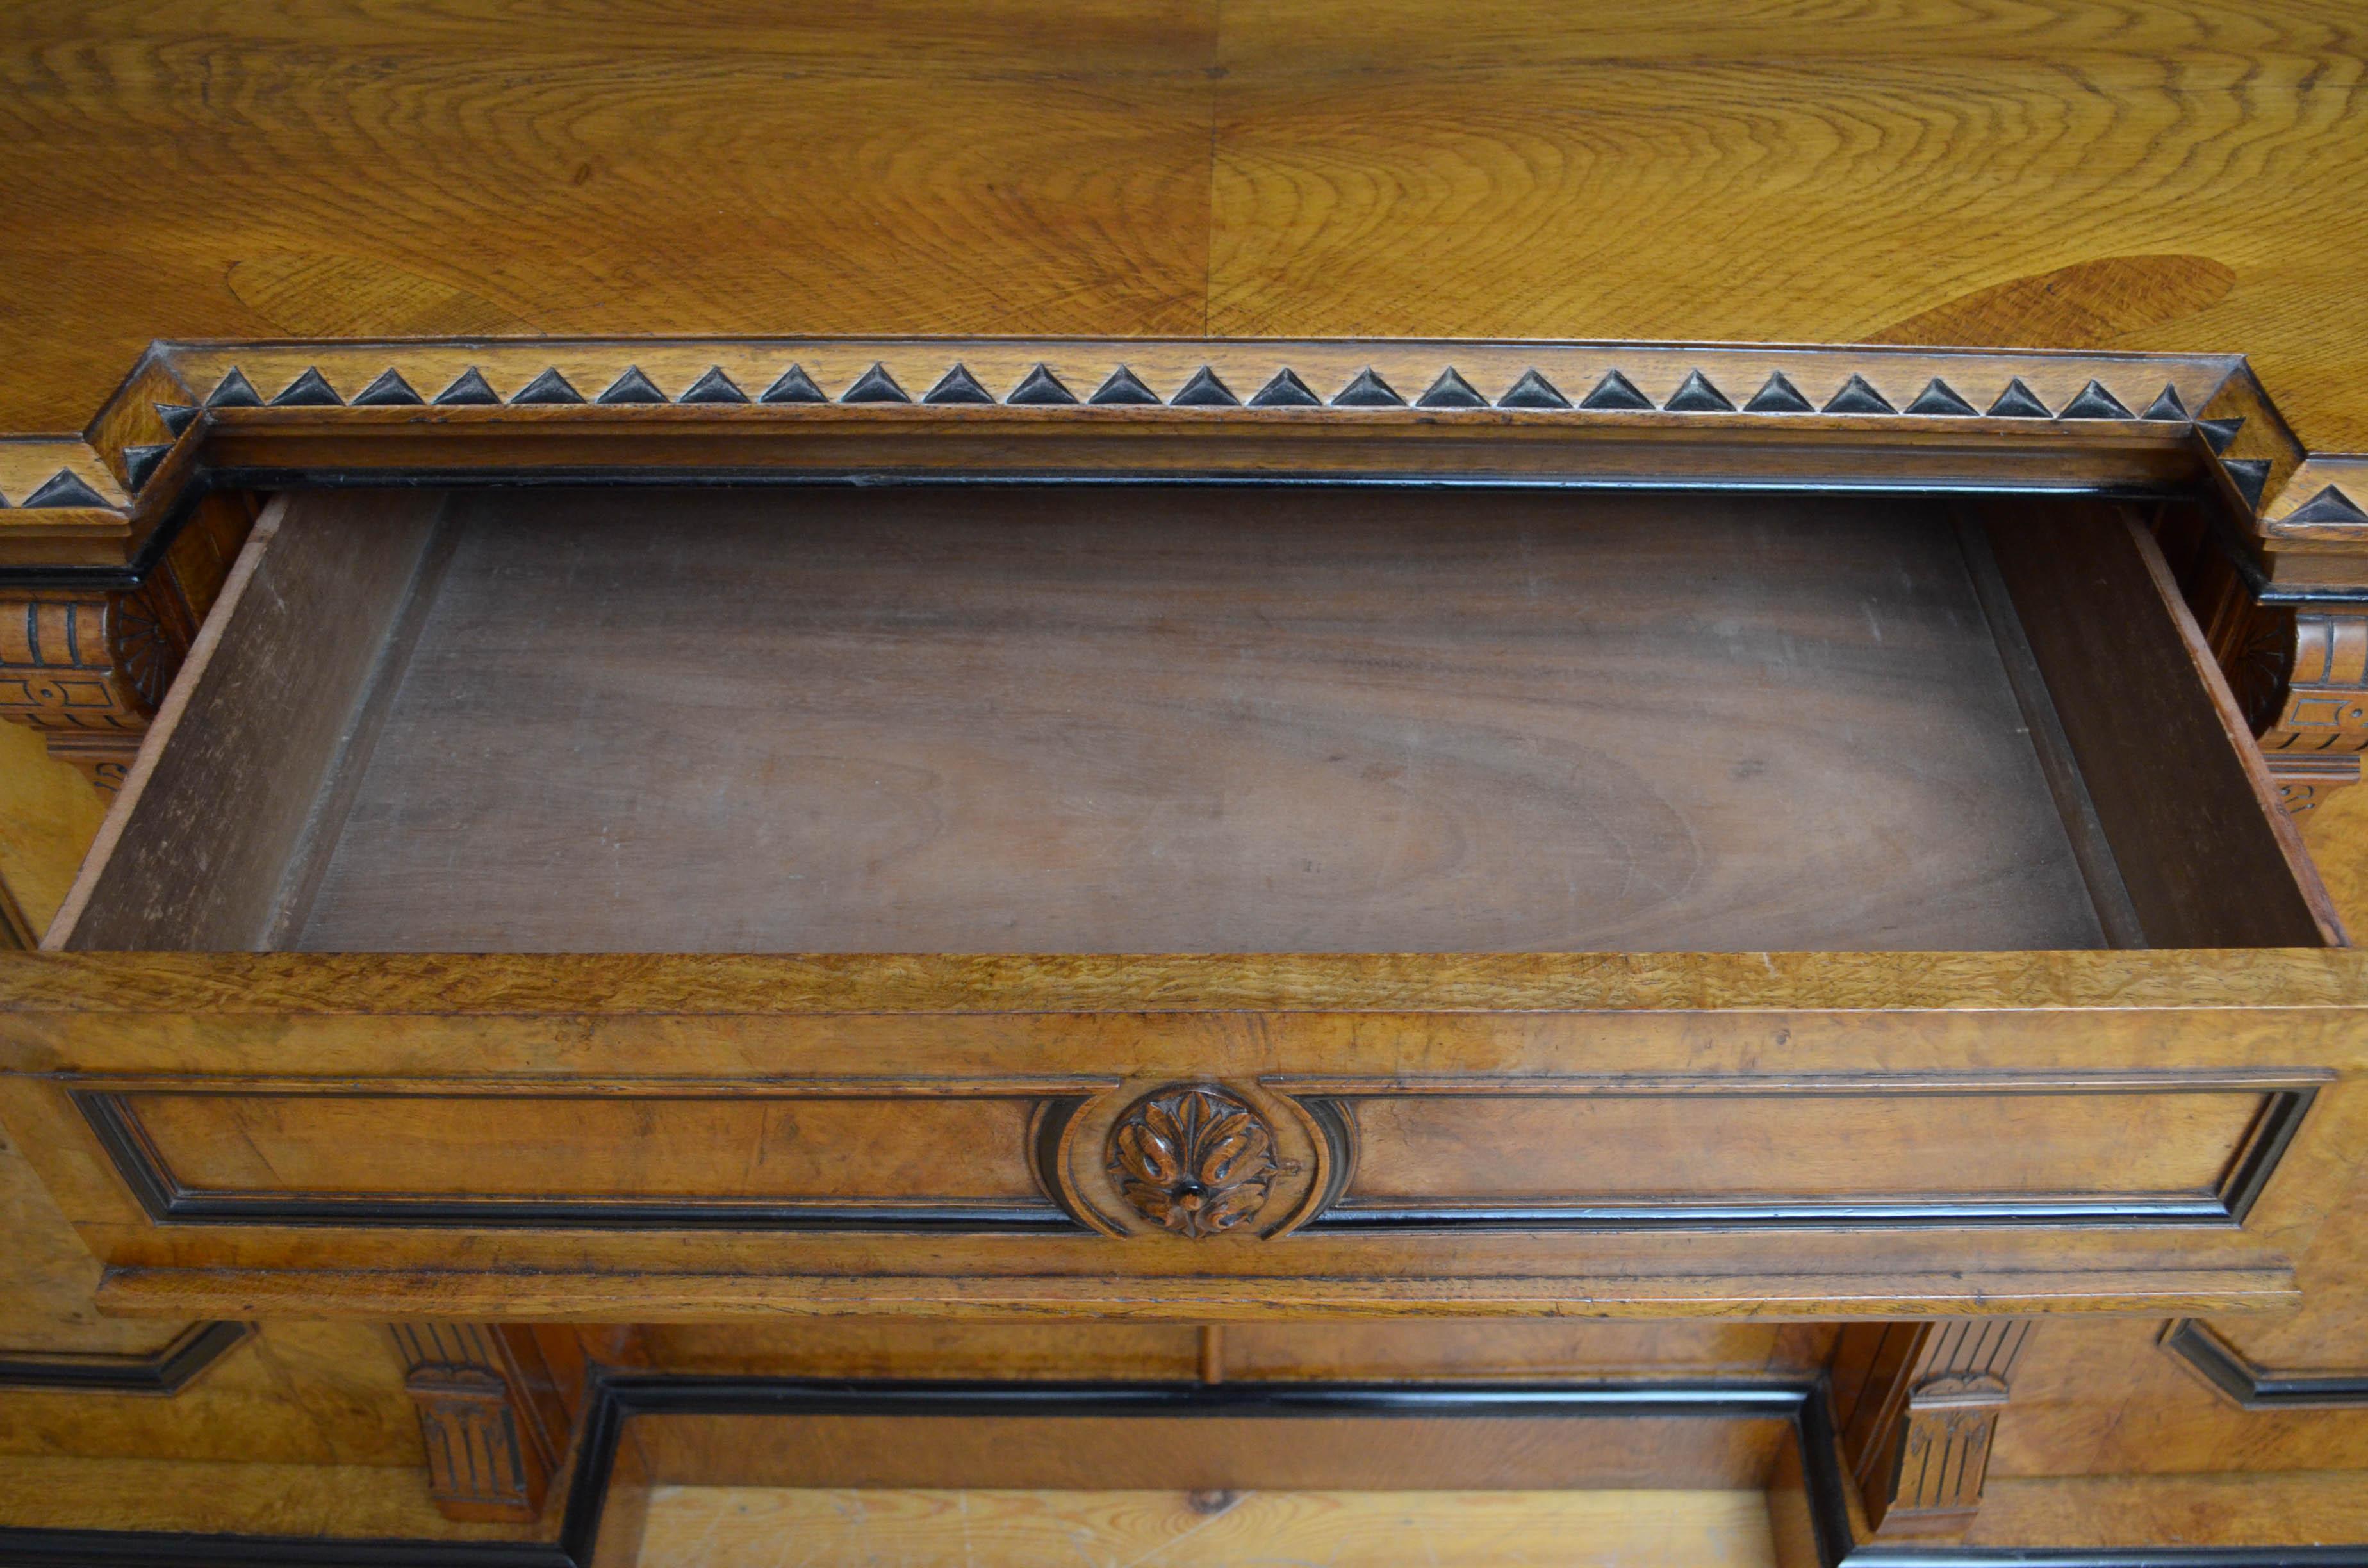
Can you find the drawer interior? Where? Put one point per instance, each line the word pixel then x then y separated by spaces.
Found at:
pixel 1191 719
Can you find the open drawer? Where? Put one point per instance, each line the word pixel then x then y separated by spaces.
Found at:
pixel 638 901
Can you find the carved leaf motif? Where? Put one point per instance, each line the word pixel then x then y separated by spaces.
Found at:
pixel 1196 1161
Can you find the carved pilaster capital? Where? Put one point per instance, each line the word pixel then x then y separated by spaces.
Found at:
pixel 88 667
pixel 2317 727
pixel 1918 1404
pixel 490 1417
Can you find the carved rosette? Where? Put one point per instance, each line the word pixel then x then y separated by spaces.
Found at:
pixel 1195 1160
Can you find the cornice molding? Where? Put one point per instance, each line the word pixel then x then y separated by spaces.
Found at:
pixel 99 508
pixel 111 544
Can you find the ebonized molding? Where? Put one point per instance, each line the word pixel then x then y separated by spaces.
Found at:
pixel 151 1549
pixel 165 1371
pixel 616 1399
pixel 2252 1387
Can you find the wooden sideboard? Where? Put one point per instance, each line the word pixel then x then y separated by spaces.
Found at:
pixel 683 834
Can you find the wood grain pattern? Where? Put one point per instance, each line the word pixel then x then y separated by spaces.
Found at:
pixel 848 1348
pixel 1667 1278
pixel 317 294
pixel 2298 1507
pixel 2321 1339
pixel 298 1394
pixel 737 1148
pixel 2136 176
pixel 1251 1352
pixel 1031 172
pixel 2102 1399
pixel 1472 1267
pixel 2166 756
pixel 2337 834
pixel 45 1290
pixel 1475 1149
pixel 232 1494
pixel 1213 1451
pixel 2087 304
pixel 457 1004
pixel 1868 1267
pixel 1729 172
pixel 1192 167
pixel 743 1527
pixel 1181 721
pixel 1255 1352
pixel 272 712
pixel 49 814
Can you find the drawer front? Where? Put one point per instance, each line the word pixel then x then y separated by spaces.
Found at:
pixel 567 1137
pixel 1453 1156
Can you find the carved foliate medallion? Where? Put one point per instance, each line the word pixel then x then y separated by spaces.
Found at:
pixel 1194 1159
